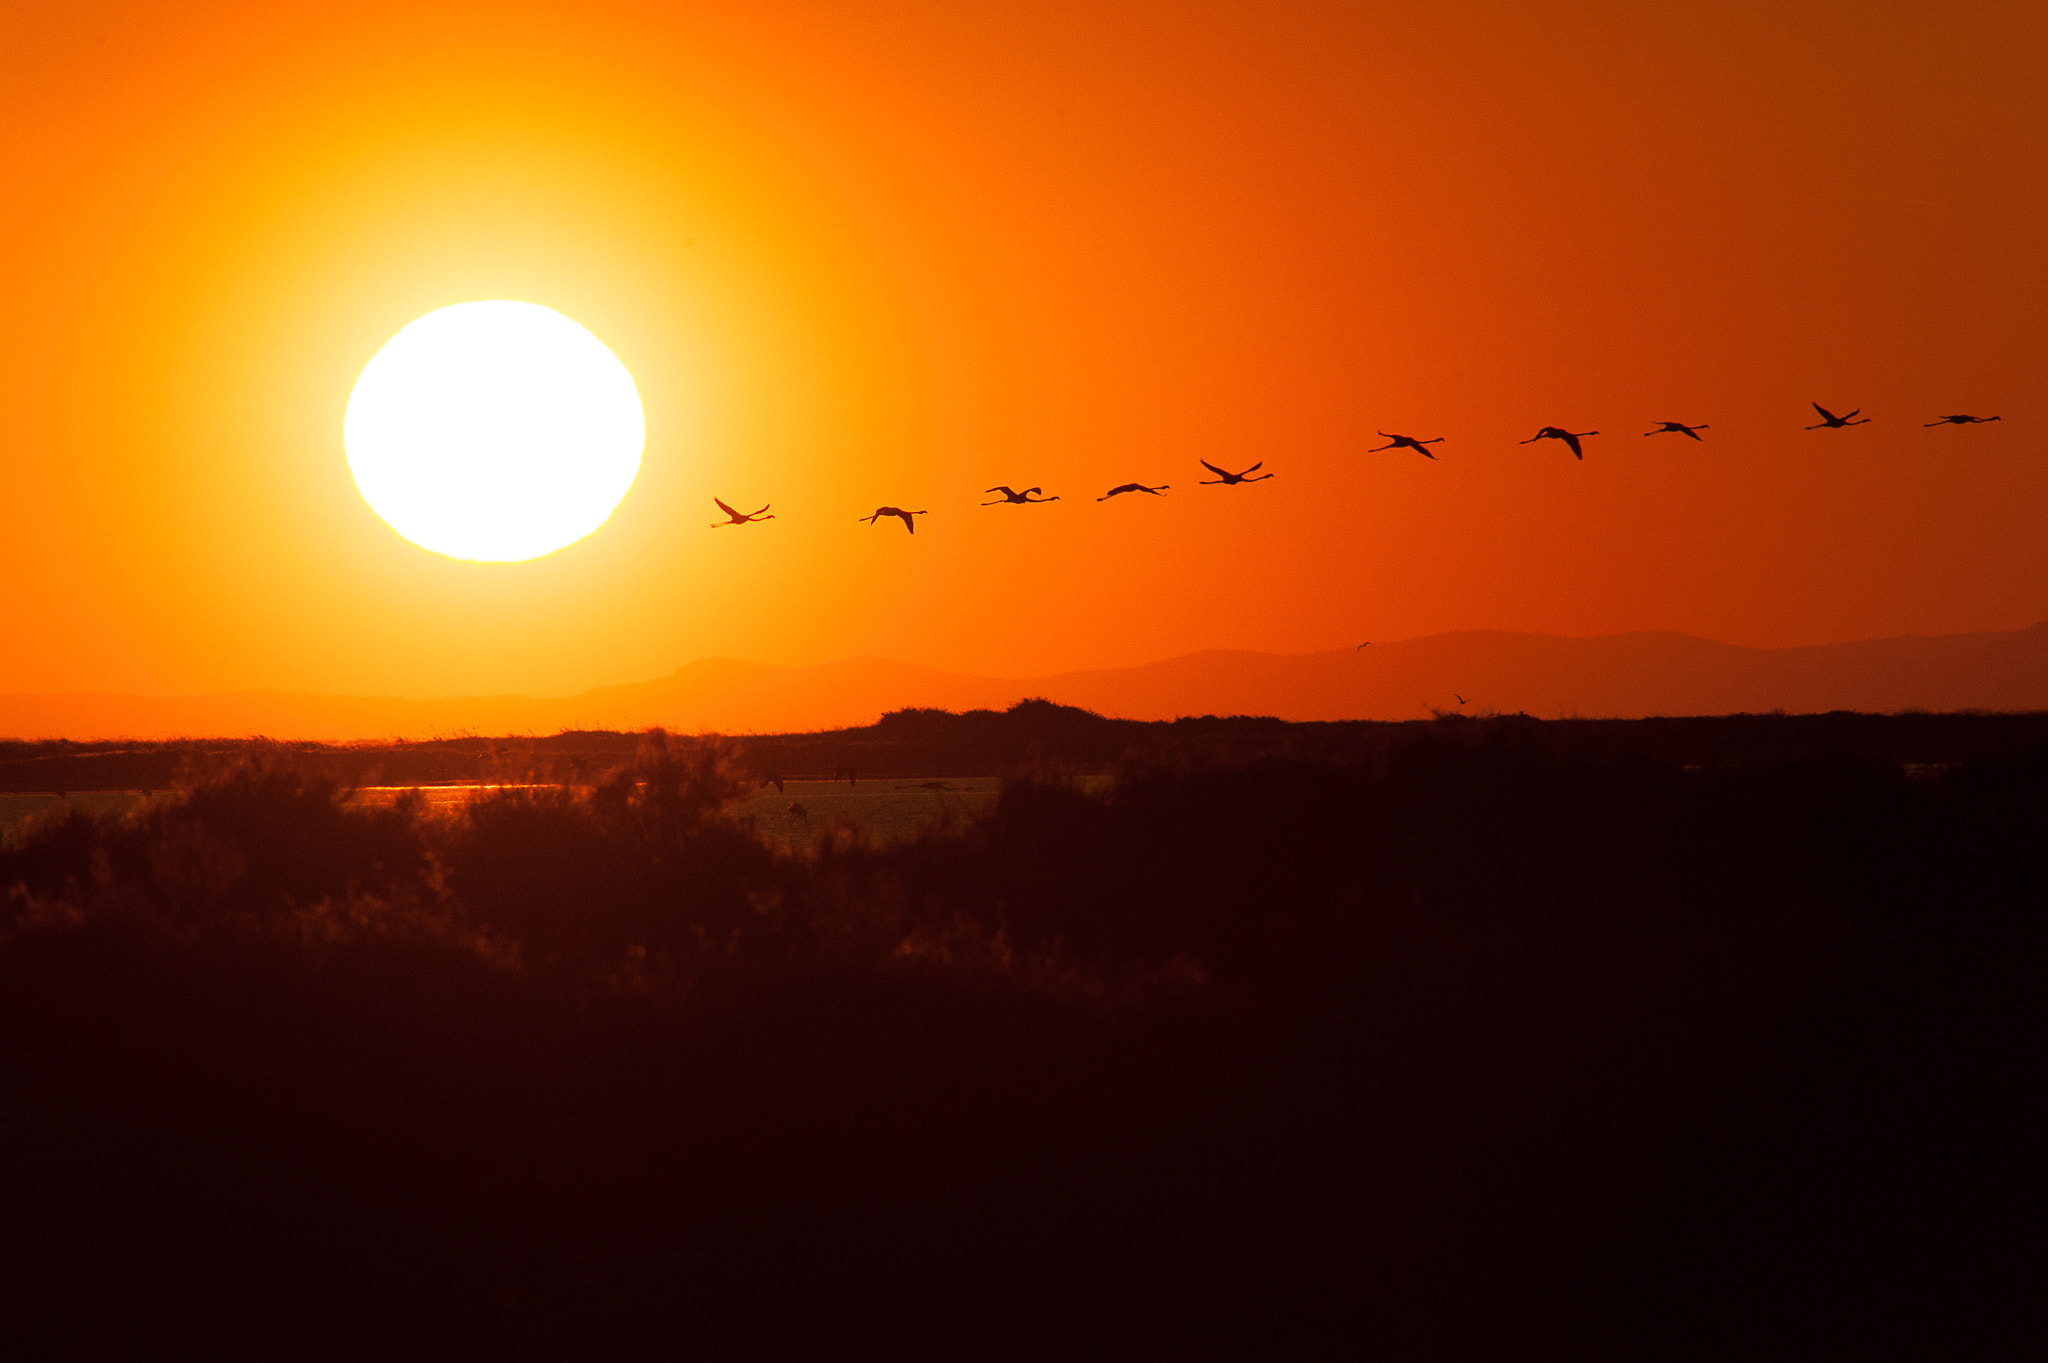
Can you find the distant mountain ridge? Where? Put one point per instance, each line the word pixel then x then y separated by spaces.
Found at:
pixel 1617 675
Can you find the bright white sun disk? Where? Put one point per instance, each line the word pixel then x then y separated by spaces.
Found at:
pixel 494 431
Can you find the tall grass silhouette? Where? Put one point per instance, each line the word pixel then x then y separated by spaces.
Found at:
pixel 1490 1042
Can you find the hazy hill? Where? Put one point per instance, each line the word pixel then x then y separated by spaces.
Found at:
pixel 1621 675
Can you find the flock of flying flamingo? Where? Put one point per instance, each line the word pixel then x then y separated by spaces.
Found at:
pixel 1034 496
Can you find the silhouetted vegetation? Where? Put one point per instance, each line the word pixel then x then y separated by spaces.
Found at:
pixel 939 743
pixel 1487 1040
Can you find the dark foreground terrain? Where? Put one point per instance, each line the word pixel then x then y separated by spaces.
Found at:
pixel 1481 1041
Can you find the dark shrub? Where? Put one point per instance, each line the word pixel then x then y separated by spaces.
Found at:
pixel 648 861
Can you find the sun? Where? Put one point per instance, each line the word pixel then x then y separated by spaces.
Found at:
pixel 494 432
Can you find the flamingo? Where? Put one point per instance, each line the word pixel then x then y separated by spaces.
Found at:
pixel 1224 479
pixel 1833 422
pixel 1570 438
pixel 1961 420
pixel 1023 498
pixel 1159 491
pixel 740 517
pixel 1678 426
pixel 882 511
pixel 1407 442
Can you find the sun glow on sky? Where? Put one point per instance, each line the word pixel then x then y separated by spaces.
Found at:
pixel 494 431
pixel 896 253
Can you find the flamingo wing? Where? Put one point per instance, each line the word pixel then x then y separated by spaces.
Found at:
pixel 728 510
pixel 1254 468
pixel 1213 469
pixel 1826 415
pixel 1572 441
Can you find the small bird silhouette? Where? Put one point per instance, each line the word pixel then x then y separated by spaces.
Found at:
pixel 1407 442
pixel 1679 426
pixel 1159 491
pixel 1023 498
pixel 1461 699
pixel 1363 645
pixel 740 517
pixel 1570 438
pixel 1223 479
pixel 1961 420
pixel 1833 422
pixel 882 511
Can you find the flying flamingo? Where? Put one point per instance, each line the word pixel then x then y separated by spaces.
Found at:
pixel 1023 498
pixel 1570 438
pixel 740 517
pixel 1223 479
pixel 1407 442
pixel 1159 491
pixel 1961 420
pixel 1833 422
pixel 882 511
pixel 1678 426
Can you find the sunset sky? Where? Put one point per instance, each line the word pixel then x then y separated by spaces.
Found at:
pixel 897 252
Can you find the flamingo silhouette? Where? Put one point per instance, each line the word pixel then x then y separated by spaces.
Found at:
pixel 1833 422
pixel 1407 442
pixel 1023 498
pixel 1159 491
pixel 1961 420
pixel 1224 479
pixel 1679 426
pixel 1570 438
pixel 740 517
pixel 882 511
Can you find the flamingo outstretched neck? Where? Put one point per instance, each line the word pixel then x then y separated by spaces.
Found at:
pixel 1832 422
pixel 1159 491
pixel 1678 427
pixel 1024 498
pixel 1407 442
pixel 1226 479
pixel 1570 438
pixel 740 517
pixel 881 511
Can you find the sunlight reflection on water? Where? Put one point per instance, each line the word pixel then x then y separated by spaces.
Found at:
pixel 888 809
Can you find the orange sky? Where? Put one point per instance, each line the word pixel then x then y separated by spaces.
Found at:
pixel 898 252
